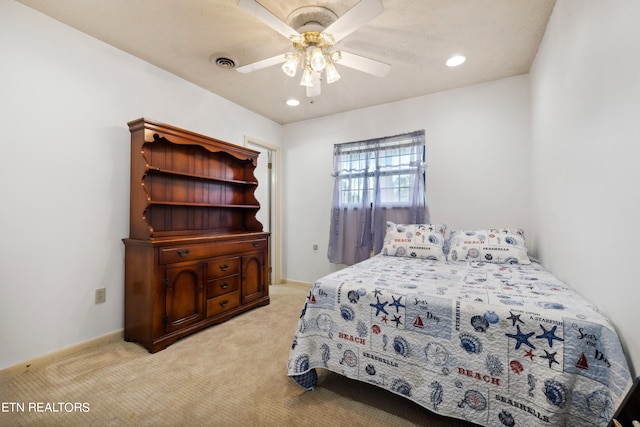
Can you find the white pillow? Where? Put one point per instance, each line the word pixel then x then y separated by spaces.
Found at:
pixel 500 246
pixel 415 241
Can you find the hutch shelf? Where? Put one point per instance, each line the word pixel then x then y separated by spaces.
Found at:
pixel 196 254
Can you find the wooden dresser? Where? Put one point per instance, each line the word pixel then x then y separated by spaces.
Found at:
pixel 196 255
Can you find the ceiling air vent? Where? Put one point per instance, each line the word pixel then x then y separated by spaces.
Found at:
pixel 226 63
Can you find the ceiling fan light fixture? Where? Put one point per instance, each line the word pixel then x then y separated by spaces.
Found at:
pixel 297 39
pixel 332 73
pixel 327 39
pixel 291 66
pixel 307 78
pixel 317 61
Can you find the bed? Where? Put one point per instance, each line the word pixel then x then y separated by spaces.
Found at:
pixel 467 325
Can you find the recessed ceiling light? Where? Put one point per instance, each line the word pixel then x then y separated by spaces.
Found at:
pixel 293 102
pixel 455 60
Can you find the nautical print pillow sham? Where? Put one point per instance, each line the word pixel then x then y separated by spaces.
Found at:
pixel 415 241
pixel 500 246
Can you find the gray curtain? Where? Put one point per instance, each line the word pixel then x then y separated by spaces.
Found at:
pixel 369 176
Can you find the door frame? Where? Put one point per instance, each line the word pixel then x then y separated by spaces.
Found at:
pixel 275 255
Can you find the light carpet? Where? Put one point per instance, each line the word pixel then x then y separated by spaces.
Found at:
pixel 231 374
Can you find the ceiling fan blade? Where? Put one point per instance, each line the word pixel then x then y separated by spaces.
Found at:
pixel 259 11
pixel 259 65
pixel 316 89
pixel 366 65
pixel 356 17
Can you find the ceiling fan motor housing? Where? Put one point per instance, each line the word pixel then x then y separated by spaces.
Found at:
pixel 307 15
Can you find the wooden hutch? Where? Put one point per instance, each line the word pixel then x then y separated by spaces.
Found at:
pixel 196 254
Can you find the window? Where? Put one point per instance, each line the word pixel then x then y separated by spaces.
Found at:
pixel 375 181
pixel 391 164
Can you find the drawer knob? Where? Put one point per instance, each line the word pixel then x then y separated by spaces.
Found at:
pixel 224 267
pixel 224 303
pixel 255 244
pixel 224 285
pixel 183 252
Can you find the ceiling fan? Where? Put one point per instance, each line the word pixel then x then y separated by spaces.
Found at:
pixel 318 30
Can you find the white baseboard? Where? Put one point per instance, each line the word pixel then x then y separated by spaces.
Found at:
pixel 295 282
pixel 59 354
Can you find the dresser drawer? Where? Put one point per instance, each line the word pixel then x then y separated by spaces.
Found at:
pixel 223 267
pixel 223 303
pixel 222 286
pixel 174 254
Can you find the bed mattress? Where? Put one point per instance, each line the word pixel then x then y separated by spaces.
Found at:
pixel 494 344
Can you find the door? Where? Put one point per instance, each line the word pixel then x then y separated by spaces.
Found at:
pixel 184 296
pixel 267 172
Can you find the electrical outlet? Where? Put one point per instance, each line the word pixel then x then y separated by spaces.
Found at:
pixel 315 246
pixel 101 295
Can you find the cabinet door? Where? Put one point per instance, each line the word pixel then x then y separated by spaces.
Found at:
pixel 184 296
pixel 253 276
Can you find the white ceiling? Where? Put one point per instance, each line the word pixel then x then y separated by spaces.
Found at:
pixel 500 39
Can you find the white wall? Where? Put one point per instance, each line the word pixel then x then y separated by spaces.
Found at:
pixel 478 164
pixel 586 148
pixel 65 100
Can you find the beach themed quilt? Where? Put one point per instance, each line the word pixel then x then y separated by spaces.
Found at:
pixel 494 344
